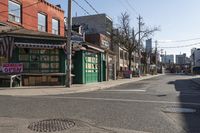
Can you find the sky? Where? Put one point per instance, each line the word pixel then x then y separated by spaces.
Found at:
pixel 179 20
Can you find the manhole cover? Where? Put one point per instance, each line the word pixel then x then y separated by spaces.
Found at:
pixel 51 125
pixel 179 110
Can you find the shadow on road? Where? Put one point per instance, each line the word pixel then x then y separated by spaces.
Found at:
pixel 189 93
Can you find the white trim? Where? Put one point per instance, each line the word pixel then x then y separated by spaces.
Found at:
pixel 34 45
pixel 95 48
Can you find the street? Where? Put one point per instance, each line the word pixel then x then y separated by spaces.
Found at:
pixel 152 105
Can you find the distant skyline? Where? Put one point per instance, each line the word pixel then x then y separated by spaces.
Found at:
pixel 178 19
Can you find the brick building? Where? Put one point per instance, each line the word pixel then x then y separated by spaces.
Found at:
pixel 110 57
pixel 29 14
pixel 31 37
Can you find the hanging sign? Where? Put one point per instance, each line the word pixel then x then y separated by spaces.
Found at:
pixel 12 68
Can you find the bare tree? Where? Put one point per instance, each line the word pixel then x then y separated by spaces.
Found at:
pixel 126 37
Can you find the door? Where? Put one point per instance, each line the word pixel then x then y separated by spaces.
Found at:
pixel 91 67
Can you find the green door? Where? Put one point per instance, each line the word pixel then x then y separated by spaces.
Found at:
pixel 91 67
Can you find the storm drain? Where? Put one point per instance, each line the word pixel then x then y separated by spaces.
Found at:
pixel 179 110
pixel 51 125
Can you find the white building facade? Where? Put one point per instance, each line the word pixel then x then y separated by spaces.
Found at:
pixel 195 60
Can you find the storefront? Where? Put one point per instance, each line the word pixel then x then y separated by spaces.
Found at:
pixel 41 55
pixel 88 65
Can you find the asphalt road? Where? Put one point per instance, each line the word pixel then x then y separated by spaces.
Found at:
pixel 151 105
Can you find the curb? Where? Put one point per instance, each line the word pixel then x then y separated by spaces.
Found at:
pixel 72 90
pixel 117 84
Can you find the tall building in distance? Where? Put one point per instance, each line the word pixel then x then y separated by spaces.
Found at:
pixel 149 46
pixel 167 59
pixel 181 59
pixel 195 57
pixel 195 60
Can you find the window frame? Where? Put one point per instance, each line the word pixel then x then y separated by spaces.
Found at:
pixel 46 20
pixel 52 62
pixel 58 26
pixel 20 12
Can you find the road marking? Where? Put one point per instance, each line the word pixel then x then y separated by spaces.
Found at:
pixel 135 90
pixel 120 100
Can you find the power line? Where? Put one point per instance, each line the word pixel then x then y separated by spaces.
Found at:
pixel 91 6
pixel 81 7
pixel 129 4
pixel 122 3
pixel 179 40
pixel 182 46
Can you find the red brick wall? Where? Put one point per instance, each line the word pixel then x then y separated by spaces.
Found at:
pixel 30 16
pixel 3 10
pixel 96 38
pixel 93 38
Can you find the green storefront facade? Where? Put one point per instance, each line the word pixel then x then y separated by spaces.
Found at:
pixel 41 54
pixel 41 66
pixel 88 66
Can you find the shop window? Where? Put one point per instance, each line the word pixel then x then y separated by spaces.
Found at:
pixel 35 57
pixel 121 54
pixel 34 51
pixel 45 51
pixel 54 58
pixel 44 58
pixel 34 65
pixel 26 65
pixel 53 51
pixel 126 56
pixel 42 22
pixel 44 65
pixel 40 60
pixel 24 51
pixel 54 65
pixel 14 12
pixel 23 58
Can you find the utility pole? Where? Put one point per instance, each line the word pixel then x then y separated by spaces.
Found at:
pixel 156 61
pixel 134 60
pixel 69 48
pixel 165 58
pixel 139 41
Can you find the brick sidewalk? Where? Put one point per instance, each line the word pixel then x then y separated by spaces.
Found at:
pixel 56 90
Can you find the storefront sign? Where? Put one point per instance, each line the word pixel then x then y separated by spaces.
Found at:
pixel 12 68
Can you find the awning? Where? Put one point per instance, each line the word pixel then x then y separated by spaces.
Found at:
pixel 43 46
pixel 95 48
pixel 6 46
pixel 77 47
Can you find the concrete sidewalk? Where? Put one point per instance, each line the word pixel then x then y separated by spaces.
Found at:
pixel 56 90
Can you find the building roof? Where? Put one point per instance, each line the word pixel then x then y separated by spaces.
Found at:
pixel 16 31
pixel 92 46
pixel 49 4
